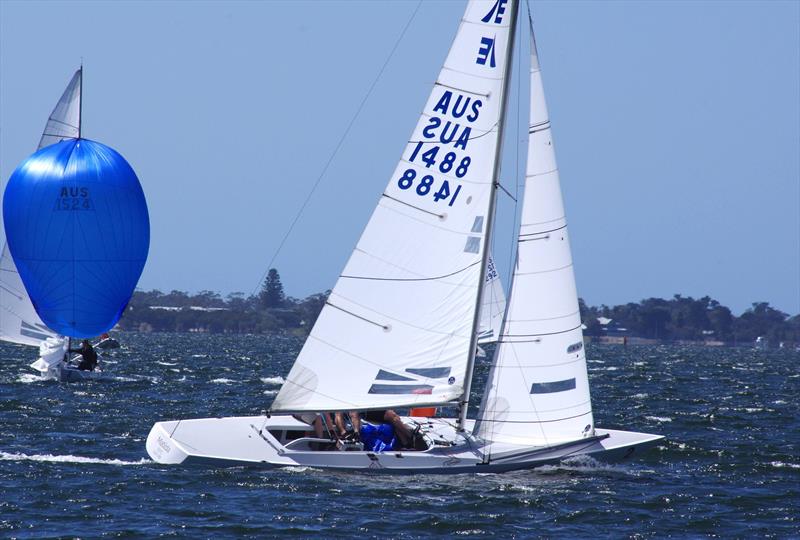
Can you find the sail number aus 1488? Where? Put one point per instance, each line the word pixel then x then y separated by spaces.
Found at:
pixel 446 165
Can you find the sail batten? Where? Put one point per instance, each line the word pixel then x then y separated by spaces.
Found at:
pixel 407 299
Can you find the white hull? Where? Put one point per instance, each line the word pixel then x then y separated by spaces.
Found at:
pixel 268 442
pixel 69 373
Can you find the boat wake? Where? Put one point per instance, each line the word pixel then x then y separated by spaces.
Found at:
pixel 29 378
pixel 9 456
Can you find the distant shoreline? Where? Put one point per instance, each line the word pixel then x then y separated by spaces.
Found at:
pixel 681 320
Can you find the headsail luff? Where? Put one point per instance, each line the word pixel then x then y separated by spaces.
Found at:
pixel 19 322
pixel 399 323
pixel 538 389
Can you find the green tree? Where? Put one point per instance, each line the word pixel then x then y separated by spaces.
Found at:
pixel 272 295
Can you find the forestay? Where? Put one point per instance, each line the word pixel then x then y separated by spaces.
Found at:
pixel 19 322
pixel 493 305
pixel 538 390
pixel 397 326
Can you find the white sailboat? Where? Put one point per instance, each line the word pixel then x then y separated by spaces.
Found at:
pixel 19 322
pixel 400 328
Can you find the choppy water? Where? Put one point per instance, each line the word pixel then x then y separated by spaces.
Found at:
pixel 72 457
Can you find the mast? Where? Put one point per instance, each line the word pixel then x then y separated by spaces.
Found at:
pixel 487 237
pixel 80 101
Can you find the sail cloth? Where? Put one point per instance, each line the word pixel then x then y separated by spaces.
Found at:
pixel 397 326
pixel 493 305
pixel 538 390
pixel 19 322
pixel 65 120
pixel 78 229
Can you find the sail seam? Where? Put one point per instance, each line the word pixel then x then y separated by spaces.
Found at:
pixel 543 271
pixel 545 334
pixel 541 232
pixel 384 261
pixel 545 318
pixel 486 419
pixel 413 279
pixel 440 216
pixel 541 223
pixel 471 74
pixel 456 88
pixel 541 173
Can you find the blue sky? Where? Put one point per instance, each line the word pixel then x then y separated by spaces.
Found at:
pixel 676 124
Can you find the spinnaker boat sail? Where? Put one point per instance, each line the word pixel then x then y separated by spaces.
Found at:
pixel 19 322
pixel 77 230
pixel 401 326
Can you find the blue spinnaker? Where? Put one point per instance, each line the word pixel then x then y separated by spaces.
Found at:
pixel 78 229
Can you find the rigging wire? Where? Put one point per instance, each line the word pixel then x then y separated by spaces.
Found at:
pixel 339 144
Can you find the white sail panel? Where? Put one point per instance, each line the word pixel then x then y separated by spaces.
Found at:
pixel 493 305
pixel 19 322
pixel 538 389
pixel 397 326
pixel 65 120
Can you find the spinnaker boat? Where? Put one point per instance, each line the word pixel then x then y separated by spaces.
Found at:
pixel 19 322
pixel 77 231
pixel 401 326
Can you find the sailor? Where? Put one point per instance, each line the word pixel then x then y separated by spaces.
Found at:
pixel 404 434
pixel 89 360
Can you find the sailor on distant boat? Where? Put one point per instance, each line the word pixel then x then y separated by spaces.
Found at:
pixel 89 361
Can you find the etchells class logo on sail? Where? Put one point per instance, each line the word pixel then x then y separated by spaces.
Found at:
pixel 495 14
pixel 74 198
pixel 411 381
pixel 486 49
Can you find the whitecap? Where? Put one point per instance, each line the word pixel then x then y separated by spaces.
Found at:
pixel 639 396
pixel 658 418
pixel 29 378
pixel 780 464
pixel 8 456
pixel 159 362
pixel 270 392
pixel 273 380
pixel 222 381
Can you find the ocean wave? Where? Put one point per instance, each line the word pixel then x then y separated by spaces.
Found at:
pixel 780 464
pixel 29 378
pixel 270 392
pixel 658 418
pixel 50 458
pixel 273 380
pixel 222 380
pixel 160 363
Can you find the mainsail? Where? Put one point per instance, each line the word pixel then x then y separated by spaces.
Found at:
pixel 398 326
pixel 538 390
pixel 19 322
